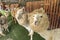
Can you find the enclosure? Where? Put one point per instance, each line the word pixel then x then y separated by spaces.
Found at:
pixel 52 8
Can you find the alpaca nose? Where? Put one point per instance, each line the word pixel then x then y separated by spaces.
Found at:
pixel 35 22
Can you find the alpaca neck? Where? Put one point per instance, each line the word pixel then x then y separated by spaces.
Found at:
pixel 45 34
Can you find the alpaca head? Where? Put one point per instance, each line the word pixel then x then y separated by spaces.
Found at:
pixel 21 10
pixel 38 20
pixel 21 16
pixel 3 20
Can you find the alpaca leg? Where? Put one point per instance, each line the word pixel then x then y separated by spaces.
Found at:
pixel 30 32
pixel 2 33
pixel 31 35
pixel 6 27
pixel 14 20
pixel 7 30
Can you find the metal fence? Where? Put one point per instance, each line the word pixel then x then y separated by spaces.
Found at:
pixel 54 13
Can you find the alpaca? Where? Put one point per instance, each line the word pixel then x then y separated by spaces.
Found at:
pixel 22 19
pixel 1 31
pixel 2 22
pixel 3 25
pixel 39 23
pixel 14 8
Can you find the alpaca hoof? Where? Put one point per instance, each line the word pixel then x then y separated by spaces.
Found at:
pixel 2 34
pixel 29 34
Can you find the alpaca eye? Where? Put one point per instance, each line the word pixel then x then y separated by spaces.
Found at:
pixel 41 16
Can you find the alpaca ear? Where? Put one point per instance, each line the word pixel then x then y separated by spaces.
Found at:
pixel 23 8
pixel 42 10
